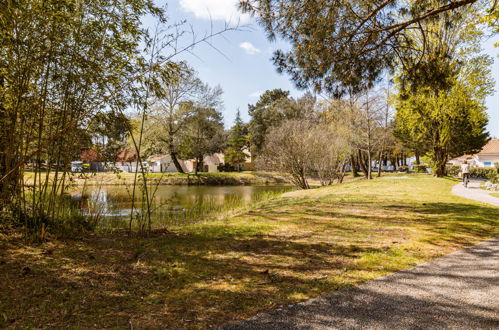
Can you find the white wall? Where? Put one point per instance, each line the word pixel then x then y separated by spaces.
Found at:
pixel 486 160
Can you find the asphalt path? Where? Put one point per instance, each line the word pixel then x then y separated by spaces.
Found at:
pixel 457 291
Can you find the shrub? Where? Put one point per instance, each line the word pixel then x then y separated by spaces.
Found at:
pixel 421 168
pixel 483 173
pixel 453 170
pixel 403 168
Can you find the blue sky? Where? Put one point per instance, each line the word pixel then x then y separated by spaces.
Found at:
pixel 245 69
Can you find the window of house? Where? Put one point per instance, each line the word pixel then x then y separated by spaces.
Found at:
pixel 487 164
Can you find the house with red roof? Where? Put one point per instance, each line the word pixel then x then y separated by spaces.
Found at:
pixel 487 157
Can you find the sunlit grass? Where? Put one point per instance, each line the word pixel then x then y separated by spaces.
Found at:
pixel 203 178
pixel 282 251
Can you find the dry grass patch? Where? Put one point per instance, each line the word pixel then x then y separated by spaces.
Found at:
pixel 289 249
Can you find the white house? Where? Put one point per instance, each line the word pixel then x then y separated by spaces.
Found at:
pixel 211 162
pixel 485 158
pixel 161 164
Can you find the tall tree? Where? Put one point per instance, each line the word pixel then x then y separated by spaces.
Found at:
pixel 60 63
pixel 237 143
pixel 339 45
pixel 441 102
pixel 203 135
pixel 173 107
pixel 109 131
pixel 273 107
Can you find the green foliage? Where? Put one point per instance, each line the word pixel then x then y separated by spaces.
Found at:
pixel 343 46
pixel 403 168
pixel 441 100
pixel 420 168
pixel 475 172
pixel 483 173
pixel 61 63
pixel 203 134
pixel 274 107
pixel 237 142
pixel 453 170
pixel 492 19
pixel 109 132
pixel 176 90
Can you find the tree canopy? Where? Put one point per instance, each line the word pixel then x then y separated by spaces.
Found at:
pixel 343 46
pixel 237 143
pixel 441 100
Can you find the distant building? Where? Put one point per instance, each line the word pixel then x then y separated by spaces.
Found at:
pixel 127 160
pixel 487 157
pixel 90 160
pixel 161 164
pixel 211 162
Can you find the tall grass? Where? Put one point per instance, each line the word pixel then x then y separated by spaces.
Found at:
pixel 168 215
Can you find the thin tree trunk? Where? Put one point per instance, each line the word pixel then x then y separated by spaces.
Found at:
pixel 353 163
pixel 179 168
pixel 380 160
pixel 363 164
pixel 369 165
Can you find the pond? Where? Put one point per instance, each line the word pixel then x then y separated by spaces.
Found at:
pixel 171 205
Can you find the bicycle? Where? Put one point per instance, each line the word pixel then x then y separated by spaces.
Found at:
pixel 466 180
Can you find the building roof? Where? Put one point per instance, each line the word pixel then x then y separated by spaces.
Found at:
pixel 157 157
pixel 90 156
pixel 465 157
pixel 127 155
pixel 491 148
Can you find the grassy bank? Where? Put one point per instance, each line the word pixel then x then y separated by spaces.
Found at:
pixel 288 249
pixel 243 178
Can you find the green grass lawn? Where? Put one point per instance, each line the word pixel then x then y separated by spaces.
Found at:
pixel 495 195
pixel 223 178
pixel 216 272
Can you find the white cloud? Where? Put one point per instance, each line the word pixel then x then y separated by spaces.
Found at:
pixel 217 10
pixel 256 94
pixel 249 48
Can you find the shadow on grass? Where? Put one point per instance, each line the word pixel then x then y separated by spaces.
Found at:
pixel 424 297
pixel 174 281
pixel 215 273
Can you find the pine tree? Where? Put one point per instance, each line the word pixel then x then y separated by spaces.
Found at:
pixel 237 142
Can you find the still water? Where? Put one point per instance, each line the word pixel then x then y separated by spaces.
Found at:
pixel 172 205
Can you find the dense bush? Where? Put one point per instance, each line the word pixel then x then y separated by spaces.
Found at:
pixel 226 168
pixel 453 170
pixel 403 168
pixel 421 168
pixel 483 173
pixel 475 172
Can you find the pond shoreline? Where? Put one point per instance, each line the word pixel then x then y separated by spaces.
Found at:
pixel 174 179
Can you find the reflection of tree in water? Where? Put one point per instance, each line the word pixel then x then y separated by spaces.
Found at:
pixel 171 204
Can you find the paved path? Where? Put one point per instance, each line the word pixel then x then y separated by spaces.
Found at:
pixel 457 291
pixel 474 192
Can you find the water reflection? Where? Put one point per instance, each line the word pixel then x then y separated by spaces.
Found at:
pixel 171 204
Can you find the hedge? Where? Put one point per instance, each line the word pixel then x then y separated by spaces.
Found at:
pixel 489 173
pixel 420 168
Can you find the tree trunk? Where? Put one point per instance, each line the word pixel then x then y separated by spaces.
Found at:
pixel 440 161
pixel 353 163
pixel 196 169
pixel 418 162
pixel 380 160
pixel 369 165
pixel 179 168
pixel 363 164
pixel 9 178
